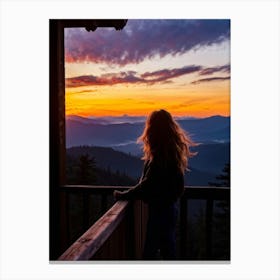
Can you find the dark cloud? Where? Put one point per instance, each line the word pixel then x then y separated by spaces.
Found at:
pixel 212 70
pixel 86 91
pixel 213 79
pixel 163 75
pixel 130 77
pixel 142 39
pixel 107 79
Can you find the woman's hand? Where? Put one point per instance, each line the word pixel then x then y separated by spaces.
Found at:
pixel 117 194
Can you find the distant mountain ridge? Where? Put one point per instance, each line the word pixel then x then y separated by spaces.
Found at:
pixel 204 167
pixel 122 135
pixel 115 120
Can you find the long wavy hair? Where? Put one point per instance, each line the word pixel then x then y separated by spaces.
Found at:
pixel 163 138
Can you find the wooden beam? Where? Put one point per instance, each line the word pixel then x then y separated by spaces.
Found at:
pixel 92 24
pixel 57 137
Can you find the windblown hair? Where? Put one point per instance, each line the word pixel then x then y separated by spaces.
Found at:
pixel 163 138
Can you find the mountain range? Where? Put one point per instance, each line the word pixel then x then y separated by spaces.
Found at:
pixel 112 143
pixel 121 133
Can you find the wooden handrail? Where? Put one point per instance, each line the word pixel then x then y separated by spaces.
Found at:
pixel 191 192
pixel 206 192
pixel 89 243
pixel 92 187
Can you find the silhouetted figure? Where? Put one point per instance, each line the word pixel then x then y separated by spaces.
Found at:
pixel 166 153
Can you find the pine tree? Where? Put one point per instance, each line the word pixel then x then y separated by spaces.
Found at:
pixel 222 218
pixel 86 170
pixel 223 180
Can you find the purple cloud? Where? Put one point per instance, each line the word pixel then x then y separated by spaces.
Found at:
pixel 213 79
pixel 212 70
pixel 142 39
pixel 106 79
pixel 165 74
pixel 130 77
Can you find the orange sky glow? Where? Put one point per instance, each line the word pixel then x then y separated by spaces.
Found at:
pixel 195 82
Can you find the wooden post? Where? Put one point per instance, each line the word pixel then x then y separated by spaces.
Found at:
pixel 103 202
pixel 57 137
pixel 137 229
pixel 85 211
pixel 64 220
pixel 183 226
pixel 130 234
pixel 209 219
pixel 144 221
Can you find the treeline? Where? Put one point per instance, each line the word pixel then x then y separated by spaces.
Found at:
pixel 82 170
pixel 107 158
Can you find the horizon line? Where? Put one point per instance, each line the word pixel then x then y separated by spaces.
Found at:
pixel 143 116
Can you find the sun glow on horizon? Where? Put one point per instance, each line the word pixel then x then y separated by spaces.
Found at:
pixel 99 102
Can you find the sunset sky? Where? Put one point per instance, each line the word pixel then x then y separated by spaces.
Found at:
pixel 182 66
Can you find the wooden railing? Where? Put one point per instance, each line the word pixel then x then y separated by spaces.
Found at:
pixel 209 194
pixel 119 234
pixel 94 238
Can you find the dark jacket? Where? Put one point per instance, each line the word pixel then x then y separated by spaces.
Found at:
pixel 161 183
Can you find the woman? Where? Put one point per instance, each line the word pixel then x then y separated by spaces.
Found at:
pixel 166 153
